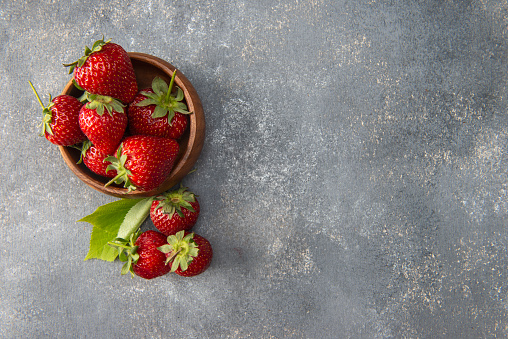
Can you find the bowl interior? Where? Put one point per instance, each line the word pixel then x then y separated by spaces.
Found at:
pixel 147 67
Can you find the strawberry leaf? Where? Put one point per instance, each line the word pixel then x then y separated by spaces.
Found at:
pixel 179 95
pixel 159 86
pixel 118 219
pixel 159 112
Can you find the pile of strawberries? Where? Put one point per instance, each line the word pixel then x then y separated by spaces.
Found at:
pixel 131 138
pixel 127 136
pixel 173 248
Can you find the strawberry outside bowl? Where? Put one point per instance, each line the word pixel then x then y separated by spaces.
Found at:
pixel 147 67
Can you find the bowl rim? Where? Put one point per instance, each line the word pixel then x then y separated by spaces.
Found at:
pixel 187 159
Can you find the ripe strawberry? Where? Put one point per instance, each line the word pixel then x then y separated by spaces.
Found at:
pixel 188 254
pixel 174 211
pixel 143 161
pixel 105 131
pixel 106 69
pixel 93 159
pixel 141 254
pixel 155 111
pixel 60 120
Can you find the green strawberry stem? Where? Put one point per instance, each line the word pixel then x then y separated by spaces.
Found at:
pixel 115 244
pixel 36 94
pixel 46 111
pixel 173 256
pixel 127 252
pixel 170 88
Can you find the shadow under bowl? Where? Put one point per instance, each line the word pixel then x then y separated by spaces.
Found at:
pixel 147 67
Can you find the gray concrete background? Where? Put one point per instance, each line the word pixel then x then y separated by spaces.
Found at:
pixel 353 180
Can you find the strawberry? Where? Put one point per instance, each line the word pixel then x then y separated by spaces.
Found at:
pixel 60 120
pixel 175 211
pixel 143 161
pixel 156 111
pixel 93 159
pixel 106 69
pixel 188 254
pixel 104 130
pixel 141 255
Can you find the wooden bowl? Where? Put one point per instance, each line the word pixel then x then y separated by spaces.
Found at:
pixel 146 68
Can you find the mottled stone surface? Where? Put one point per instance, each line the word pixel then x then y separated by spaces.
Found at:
pixel 353 180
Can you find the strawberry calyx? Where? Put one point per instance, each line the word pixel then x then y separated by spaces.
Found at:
pixel 123 174
pixel 97 46
pixel 77 85
pixel 47 115
pixel 182 249
pixel 85 146
pixel 166 104
pixel 127 252
pixel 172 202
pixel 100 103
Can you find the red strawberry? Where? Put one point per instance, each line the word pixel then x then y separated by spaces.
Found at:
pixel 104 130
pixel 143 161
pixel 93 159
pixel 106 69
pixel 188 254
pixel 155 111
pixel 175 211
pixel 142 255
pixel 60 120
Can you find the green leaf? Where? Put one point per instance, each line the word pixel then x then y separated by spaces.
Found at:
pixel 135 217
pixel 77 85
pixel 118 219
pixel 159 112
pixel 180 107
pixel 171 115
pixel 159 86
pixel 183 264
pixel 152 95
pixel 125 268
pixel 165 248
pixel 146 102
pixel 179 95
pixel 116 106
pixel 122 255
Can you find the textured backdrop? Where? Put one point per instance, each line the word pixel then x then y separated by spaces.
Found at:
pixel 353 181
